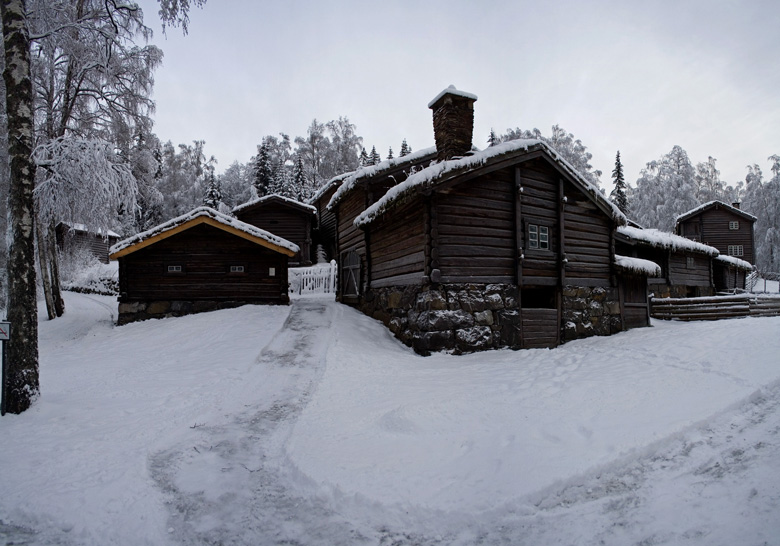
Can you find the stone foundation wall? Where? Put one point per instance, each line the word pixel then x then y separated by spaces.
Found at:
pixel 590 311
pixel 473 317
pixel 143 310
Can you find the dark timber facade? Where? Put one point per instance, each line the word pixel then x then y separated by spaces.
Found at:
pixel 508 247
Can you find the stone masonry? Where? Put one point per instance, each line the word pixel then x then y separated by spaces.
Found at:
pixel 464 318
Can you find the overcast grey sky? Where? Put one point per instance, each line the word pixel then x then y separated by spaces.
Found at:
pixel 638 77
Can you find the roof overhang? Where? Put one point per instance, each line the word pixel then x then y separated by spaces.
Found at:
pixel 196 221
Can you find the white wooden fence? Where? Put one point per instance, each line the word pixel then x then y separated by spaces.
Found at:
pixel 314 280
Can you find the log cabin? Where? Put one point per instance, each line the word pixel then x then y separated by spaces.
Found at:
pixel 723 226
pixel 284 217
pixel 200 261
pixel 324 228
pixel 469 250
pixel 71 236
pixel 686 266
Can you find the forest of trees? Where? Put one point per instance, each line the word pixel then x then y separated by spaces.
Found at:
pixel 82 149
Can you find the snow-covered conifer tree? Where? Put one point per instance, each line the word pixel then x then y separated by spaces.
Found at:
pixel 618 195
pixel 373 157
pixel 405 149
pixel 263 172
pixel 390 153
pixel 213 196
pixel 364 159
pixel 493 138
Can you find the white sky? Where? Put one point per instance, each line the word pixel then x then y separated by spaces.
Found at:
pixel 638 77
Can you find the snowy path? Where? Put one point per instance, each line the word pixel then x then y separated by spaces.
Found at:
pixel 311 425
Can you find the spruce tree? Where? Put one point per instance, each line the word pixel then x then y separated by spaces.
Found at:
pixel 405 149
pixel 363 161
pixel 299 180
pixel 390 153
pixel 374 157
pixel 213 196
pixel 493 138
pixel 263 173
pixel 618 195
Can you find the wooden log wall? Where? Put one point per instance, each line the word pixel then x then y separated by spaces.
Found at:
pixel 680 274
pixel 714 228
pixel 349 236
pixel 205 254
pixel 474 239
pixel 285 222
pixel 397 247
pixel 588 236
pixel 539 205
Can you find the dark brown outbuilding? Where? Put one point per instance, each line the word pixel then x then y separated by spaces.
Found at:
pixel 200 261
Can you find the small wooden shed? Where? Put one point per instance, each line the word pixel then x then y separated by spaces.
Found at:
pixel 283 217
pixel 71 235
pixel 201 261
pixel 723 226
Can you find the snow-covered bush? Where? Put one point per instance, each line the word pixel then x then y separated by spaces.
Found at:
pixel 81 271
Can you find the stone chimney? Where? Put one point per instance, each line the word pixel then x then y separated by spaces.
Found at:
pixel 735 204
pixel 453 122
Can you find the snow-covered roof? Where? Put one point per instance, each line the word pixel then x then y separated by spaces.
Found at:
pixel 451 91
pixel 83 228
pixel 273 197
pixel 663 239
pixel 198 216
pixel 711 204
pixel 374 170
pixel 438 172
pixel 335 181
pixel 638 265
pixel 736 262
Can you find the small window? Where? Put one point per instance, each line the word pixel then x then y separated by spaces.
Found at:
pixel 174 269
pixel 734 225
pixel 236 268
pixel 272 272
pixel 538 237
pixel 736 250
pixel 690 263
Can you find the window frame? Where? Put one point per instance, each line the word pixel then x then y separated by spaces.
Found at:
pixel 538 237
pixel 736 250
pixel 174 269
pixel 733 225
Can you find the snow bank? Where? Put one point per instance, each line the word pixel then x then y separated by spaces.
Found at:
pixel 475 432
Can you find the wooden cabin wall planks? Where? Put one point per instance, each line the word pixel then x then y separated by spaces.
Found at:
pixel 284 221
pixel 475 236
pixel 711 226
pixel 397 250
pixel 205 255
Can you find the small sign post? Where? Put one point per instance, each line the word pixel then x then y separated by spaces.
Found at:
pixel 5 334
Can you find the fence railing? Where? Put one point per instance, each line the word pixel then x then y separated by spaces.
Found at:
pixel 316 279
pixel 715 308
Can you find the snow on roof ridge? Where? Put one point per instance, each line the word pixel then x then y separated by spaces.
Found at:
pixel 429 175
pixel 664 239
pixel 75 226
pixel 638 265
pixel 710 204
pixel 733 260
pixel 257 200
pixel 327 185
pixel 211 213
pixel 373 170
pixel 451 90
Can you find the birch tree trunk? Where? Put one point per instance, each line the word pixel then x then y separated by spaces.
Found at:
pixel 44 267
pixel 22 385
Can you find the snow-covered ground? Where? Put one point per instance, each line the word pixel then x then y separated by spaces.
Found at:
pixel 310 424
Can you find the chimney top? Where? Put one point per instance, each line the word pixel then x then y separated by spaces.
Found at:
pixel 450 91
pixel 735 204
